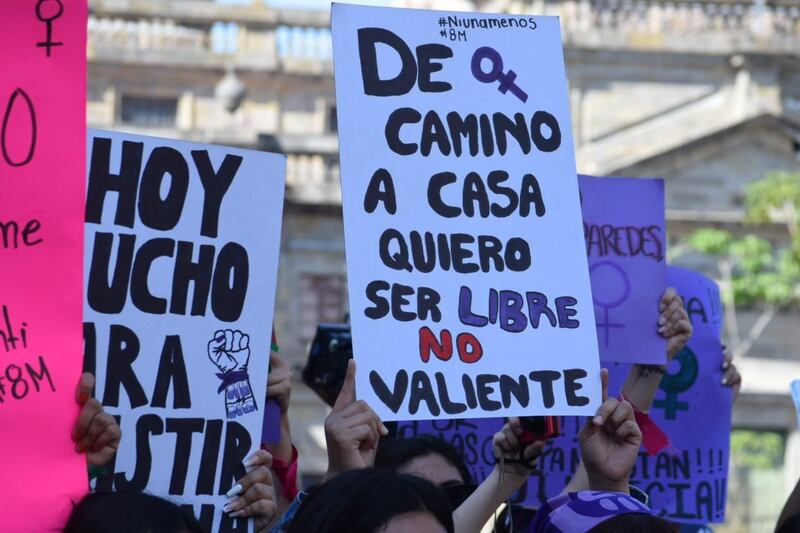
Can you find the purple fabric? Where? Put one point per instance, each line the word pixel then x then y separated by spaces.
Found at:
pixel 271 430
pixel 578 512
pixel 623 223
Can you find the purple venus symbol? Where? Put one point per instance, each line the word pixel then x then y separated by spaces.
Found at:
pixel 606 274
pixel 496 73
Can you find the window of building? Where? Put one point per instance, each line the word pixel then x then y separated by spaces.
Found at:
pixel 333 121
pixel 149 111
pixel 321 298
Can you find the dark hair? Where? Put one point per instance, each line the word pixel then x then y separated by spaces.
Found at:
pixel 361 501
pixel 394 453
pixel 129 512
pixel 789 525
pixel 634 523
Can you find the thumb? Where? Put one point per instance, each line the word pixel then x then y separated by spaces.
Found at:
pixel 348 393
pixel 85 386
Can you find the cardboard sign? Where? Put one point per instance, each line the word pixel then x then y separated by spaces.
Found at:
pixel 623 224
pixel 181 260
pixel 43 107
pixel 687 484
pixel 469 286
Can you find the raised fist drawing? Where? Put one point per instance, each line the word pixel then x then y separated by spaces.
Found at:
pixel 229 350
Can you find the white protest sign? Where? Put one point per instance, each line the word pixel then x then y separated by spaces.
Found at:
pixel 181 260
pixel 468 281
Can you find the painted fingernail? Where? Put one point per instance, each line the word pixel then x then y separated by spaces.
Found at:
pixel 250 461
pixel 83 398
pixel 235 491
pixel 80 447
pixel 598 420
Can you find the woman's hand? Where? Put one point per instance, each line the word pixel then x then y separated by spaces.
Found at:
pixel 507 445
pixel 96 433
pixel 253 496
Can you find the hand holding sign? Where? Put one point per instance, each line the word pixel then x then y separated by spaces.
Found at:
pixel 253 496
pixel 512 456
pixel 673 322
pixel 610 443
pixel 352 430
pixel 96 432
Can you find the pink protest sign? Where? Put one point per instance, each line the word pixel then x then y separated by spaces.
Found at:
pixel 42 169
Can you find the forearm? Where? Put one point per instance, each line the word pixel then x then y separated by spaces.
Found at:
pixel 579 481
pixel 641 386
pixel 283 448
pixel 476 510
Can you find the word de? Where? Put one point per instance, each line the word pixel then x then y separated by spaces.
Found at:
pixel 413 71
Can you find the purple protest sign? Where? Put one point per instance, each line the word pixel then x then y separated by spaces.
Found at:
pixel 623 224
pixel 687 484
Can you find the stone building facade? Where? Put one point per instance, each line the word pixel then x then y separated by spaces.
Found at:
pixel 705 94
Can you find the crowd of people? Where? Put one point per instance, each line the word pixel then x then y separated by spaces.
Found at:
pixel 375 483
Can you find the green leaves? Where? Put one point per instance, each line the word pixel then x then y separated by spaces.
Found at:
pixel 758 272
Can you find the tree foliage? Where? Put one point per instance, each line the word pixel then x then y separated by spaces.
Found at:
pixel 760 273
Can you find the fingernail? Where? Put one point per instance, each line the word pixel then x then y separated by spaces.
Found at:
pixel 235 491
pixel 80 447
pixel 237 514
pixel 83 398
pixel 598 420
pixel 227 507
pixel 725 365
pixel 250 461
pixel 384 430
pixel 661 320
pixel 724 381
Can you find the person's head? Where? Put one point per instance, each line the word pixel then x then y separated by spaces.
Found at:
pixel 424 456
pixel 107 512
pixel 634 523
pixel 374 500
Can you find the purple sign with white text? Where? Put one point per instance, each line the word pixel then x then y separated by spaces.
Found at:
pixel 623 225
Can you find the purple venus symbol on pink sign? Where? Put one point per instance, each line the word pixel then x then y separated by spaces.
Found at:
pixel 610 288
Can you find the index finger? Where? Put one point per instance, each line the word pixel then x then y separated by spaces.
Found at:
pixel 85 387
pixel 348 393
